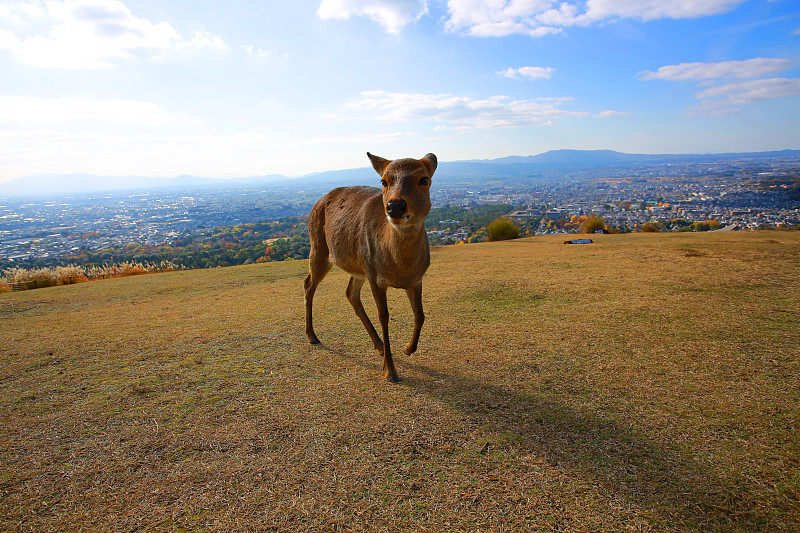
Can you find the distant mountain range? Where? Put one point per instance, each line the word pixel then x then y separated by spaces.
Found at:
pixel 506 167
pixel 70 184
pixel 601 158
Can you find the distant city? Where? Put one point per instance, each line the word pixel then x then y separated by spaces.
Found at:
pixel 60 227
pixel 740 192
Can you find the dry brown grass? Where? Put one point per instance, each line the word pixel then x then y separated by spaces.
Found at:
pixel 641 383
pixel 22 279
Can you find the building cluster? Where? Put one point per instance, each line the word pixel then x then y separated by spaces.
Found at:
pixel 634 203
pixel 625 198
pixel 734 201
pixel 64 227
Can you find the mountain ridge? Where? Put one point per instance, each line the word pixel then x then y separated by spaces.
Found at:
pixel 552 160
pixel 579 157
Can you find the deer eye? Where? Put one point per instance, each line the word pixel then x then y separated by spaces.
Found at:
pixel 424 181
pixel 384 184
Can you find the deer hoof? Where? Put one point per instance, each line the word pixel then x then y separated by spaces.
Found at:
pixel 313 340
pixel 408 350
pixel 393 378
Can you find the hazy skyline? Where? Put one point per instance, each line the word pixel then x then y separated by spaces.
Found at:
pixel 240 88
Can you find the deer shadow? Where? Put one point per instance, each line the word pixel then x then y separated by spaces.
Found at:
pixel 668 482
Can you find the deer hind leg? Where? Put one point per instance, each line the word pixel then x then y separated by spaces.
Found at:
pixel 315 275
pixel 354 296
pixel 319 264
pixel 379 293
pixel 415 297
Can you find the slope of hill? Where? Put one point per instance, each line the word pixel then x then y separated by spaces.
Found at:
pixel 646 382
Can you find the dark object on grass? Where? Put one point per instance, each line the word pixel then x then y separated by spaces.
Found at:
pixel 579 241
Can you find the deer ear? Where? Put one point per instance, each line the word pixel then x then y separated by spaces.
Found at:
pixel 430 163
pixel 378 163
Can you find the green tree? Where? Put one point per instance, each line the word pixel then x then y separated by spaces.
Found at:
pixel 502 229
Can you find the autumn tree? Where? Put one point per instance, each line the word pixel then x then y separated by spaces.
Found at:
pixel 593 224
pixel 649 227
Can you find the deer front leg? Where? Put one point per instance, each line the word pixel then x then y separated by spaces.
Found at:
pixel 379 293
pixel 311 288
pixel 415 297
pixel 354 296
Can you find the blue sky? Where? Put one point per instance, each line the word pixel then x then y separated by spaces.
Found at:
pixel 246 87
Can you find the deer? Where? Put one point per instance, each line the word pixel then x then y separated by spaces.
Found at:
pixel 377 236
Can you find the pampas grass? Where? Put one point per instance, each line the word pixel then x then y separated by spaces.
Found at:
pixel 19 279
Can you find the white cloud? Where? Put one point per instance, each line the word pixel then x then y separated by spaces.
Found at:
pixel 528 72
pixel 498 18
pixel 94 34
pixel 29 110
pixel 364 139
pixel 462 112
pixel 7 40
pixel 199 41
pixel 749 68
pixel 657 9
pixel 393 15
pixel 261 53
pixel 610 113
pixel 724 99
pixel 258 52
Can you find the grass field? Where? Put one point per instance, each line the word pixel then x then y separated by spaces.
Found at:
pixel 646 382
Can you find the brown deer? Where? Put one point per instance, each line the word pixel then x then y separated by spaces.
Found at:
pixel 378 236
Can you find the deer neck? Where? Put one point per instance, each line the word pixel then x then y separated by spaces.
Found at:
pixel 405 239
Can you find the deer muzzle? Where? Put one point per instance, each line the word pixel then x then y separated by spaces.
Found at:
pixel 396 209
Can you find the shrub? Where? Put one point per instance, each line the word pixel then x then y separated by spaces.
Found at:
pixel 502 229
pixel 649 227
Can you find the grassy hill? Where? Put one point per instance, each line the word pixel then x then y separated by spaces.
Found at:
pixel 647 382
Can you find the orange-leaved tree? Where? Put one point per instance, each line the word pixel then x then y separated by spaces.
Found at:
pixel 593 224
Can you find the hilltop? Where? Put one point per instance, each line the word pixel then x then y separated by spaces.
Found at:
pixel 644 382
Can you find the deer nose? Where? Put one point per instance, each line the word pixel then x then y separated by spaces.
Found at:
pixel 396 209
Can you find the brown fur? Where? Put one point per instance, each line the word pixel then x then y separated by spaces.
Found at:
pixel 377 236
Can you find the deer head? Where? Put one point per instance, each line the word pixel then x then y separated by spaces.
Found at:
pixel 406 188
